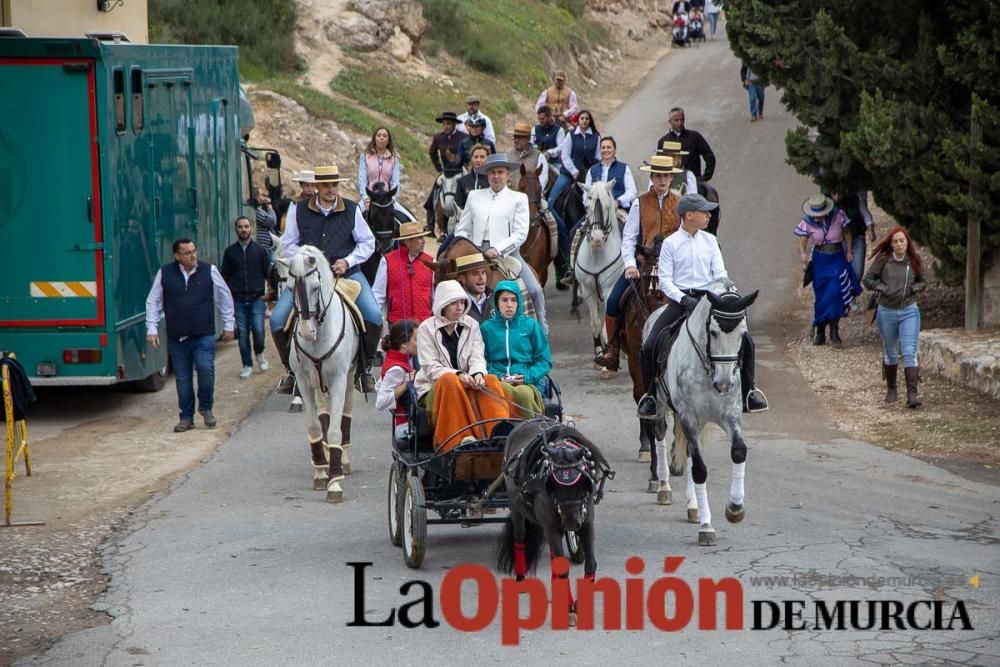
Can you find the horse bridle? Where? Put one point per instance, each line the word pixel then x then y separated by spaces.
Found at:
pixel 709 360
pixel 299 294
pixel 595 473
pixel 606 228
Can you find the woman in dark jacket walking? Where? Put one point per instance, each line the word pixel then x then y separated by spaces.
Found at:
pixel 896 276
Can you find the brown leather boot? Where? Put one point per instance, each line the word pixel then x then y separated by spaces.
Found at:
pixel 912 380
pixel 890 373
pixel 610 360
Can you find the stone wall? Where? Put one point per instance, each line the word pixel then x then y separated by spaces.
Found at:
pixel 969 359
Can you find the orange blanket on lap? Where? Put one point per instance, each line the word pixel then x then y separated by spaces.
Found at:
pixel 455 409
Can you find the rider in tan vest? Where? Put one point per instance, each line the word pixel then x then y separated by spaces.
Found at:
pixel 559 97
pixel 652 215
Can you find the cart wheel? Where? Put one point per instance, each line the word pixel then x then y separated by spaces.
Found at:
pixel 414 523
pixel 574 549
pixel 394 506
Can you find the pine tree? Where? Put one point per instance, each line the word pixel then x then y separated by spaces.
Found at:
pixel 890 87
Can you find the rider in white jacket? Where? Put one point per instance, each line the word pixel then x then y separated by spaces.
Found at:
pixel 496 219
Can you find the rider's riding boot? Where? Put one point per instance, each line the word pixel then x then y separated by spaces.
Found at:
pixel 561 272
pixel 890 373
pixel 835 333
pixel 756 401
pixel 568 278
pixel 820 334
pixel 912 380
pixel 647 407
pixel 610 359
pixel 364 381
pixel 282 343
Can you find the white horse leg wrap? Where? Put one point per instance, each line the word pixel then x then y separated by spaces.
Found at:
pixel 704 513
pixel 736 484
pixel 662 469
pixel 689 489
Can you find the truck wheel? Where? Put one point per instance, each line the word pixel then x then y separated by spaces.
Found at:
pixel 153 383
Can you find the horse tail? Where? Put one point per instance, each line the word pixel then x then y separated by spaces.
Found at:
pixel 679 450
pixel 533 540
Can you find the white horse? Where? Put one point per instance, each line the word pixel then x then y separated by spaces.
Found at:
pixel 324 346
pixel 702 377
pixel 446 210
pixel 282 270
pixel 599 259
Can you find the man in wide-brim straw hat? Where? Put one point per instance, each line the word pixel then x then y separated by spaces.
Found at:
pixel 473 273
pixel 404 284
pixel 651 218
pixel 526 155
pixel 496 220
pixel 335 225
pixel 684 181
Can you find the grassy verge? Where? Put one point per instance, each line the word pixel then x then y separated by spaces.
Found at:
pixel 413 151
pixel 509 38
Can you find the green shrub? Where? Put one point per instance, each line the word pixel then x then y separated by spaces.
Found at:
pixel 574 7
pixel 263 31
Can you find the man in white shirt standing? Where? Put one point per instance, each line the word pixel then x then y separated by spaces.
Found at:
pixel 187 292
pixel 496 220
pixel 690 261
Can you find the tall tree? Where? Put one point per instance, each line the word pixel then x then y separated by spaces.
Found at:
pixel 889 87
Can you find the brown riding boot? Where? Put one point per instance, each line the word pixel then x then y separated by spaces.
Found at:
pixel 912 380
pixel 890 373
pixel 283 344
pixel 610 360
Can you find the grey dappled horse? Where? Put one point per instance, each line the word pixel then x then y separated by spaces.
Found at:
pixel 702 378
pixel 324 346
pixel 599 258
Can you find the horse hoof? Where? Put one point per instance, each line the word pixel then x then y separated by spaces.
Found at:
pixel 692 511
pixel 334 493
pixel 319 484
pixel 645 456
pixel 608 375
pixel 572 619
pixel 347 467
pixel 665 495
pixel 735 513
pixel 295 407
pixel 653 486
pixel 706 536
pixel 675 472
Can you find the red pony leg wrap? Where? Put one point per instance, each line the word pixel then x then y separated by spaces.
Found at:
pixel 520 564
pixel 569 592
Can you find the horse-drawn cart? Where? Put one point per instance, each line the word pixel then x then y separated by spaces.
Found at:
pixel 463 486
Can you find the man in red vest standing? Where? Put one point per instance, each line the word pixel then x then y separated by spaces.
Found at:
pixel 404 285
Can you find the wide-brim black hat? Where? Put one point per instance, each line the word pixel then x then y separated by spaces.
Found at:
pixel 447 115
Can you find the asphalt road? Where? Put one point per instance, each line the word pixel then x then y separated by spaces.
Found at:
pixel 240 563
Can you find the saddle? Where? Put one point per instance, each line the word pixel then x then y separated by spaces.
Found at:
pixel 348 290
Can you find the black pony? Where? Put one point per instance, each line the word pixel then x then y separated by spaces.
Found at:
pixel 554 477
pixel 383 219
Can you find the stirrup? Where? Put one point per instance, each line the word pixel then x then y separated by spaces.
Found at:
pixel 639 414
pixel 746 401
pixel 365 382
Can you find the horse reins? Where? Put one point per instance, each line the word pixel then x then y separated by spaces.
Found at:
pixel 597 276
pixel 708 360
pixel 304 313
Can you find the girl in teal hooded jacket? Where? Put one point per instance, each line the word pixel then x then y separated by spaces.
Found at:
pixel 517 350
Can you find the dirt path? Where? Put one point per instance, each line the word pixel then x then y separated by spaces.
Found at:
pixel 96 454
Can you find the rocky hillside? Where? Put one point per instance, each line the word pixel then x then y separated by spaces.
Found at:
pixel 401 62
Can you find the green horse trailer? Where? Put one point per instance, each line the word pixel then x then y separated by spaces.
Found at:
pixel 108 152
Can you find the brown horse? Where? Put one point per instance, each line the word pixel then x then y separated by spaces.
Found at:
pixel 640 300
pixel 535 250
